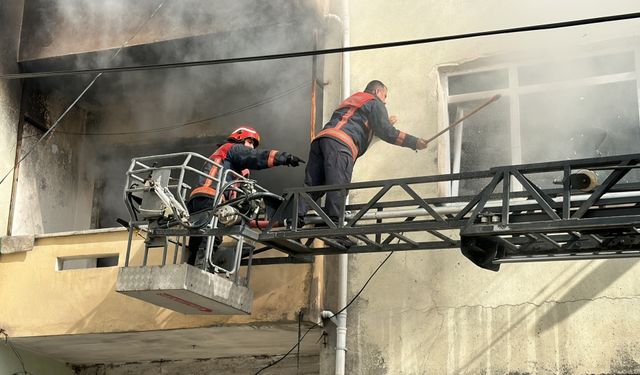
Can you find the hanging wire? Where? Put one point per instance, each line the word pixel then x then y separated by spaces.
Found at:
pixel 335 314
pixel 55 124
pixel 6 340
pixel 193 122
pixel 328 51
pixel 100 71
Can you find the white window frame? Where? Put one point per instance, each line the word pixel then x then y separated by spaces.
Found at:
pixel 513 93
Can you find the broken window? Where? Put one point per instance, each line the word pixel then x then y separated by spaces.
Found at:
pixel 570 108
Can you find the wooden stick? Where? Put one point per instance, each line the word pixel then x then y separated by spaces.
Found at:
pixel 491 100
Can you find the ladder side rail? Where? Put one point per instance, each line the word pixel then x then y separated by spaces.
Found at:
pixel 523 168
pixel 614 207
pixel 371 229
pixel 585 163
pixel 577 199
pixel 362 228
pixel 544 194
pixel 565 202
pixel 381 183
pixel 568 256
pixel 554 200
pixel 556 193
pixel 384 185
pixel 402 246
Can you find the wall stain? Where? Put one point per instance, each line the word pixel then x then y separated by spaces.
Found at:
pixel 372 361
pixel 624 363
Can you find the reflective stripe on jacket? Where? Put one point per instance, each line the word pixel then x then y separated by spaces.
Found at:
pixel 240 159
pixel 358 119
pixel 208 185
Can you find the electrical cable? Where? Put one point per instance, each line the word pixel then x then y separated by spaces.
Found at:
pixel 335 314
pixel 193 122
pixel 55 124
pixel 328 51
pixel 50 129
pixel 6 340
pixel 100 71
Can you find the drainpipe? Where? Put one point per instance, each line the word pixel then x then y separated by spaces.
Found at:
pixel 340 320
pixel 341 326
pixel 343 260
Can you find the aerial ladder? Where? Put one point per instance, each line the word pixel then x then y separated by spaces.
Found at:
pixel 552 211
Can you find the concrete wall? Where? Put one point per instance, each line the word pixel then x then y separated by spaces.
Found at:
pixel 33 363
pixel 10 16
pixel 434 312
pixel 160 111
pixel 54 191
pixel 84 300
pixel 424 312
pixel 245 365
pixel 76 316
pixel 51 27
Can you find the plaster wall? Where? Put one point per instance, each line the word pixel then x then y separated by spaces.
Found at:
pixel 10 16
pixel 434 312
pixel 48 302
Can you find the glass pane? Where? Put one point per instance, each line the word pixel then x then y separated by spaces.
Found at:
pixel 485 139
pixel 576 68
pixel 576 123
pixel 481 81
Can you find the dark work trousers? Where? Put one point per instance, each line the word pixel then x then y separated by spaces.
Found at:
pixel 194 205
pixel 330 163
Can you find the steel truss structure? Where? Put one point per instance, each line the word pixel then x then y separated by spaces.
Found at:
pixel 518 215
pixel 497 225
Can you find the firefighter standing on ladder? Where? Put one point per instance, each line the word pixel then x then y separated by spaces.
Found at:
pixel 345 138
pixel 239 154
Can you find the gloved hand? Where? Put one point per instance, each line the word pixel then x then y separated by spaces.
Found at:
pixel 293 161
pixel 421 144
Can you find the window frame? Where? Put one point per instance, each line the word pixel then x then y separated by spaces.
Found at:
pixel 450 149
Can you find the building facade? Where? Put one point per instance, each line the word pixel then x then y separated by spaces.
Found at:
pixel 565 93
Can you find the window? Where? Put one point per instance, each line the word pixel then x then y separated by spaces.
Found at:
pixel 92 261
pixel 571 108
